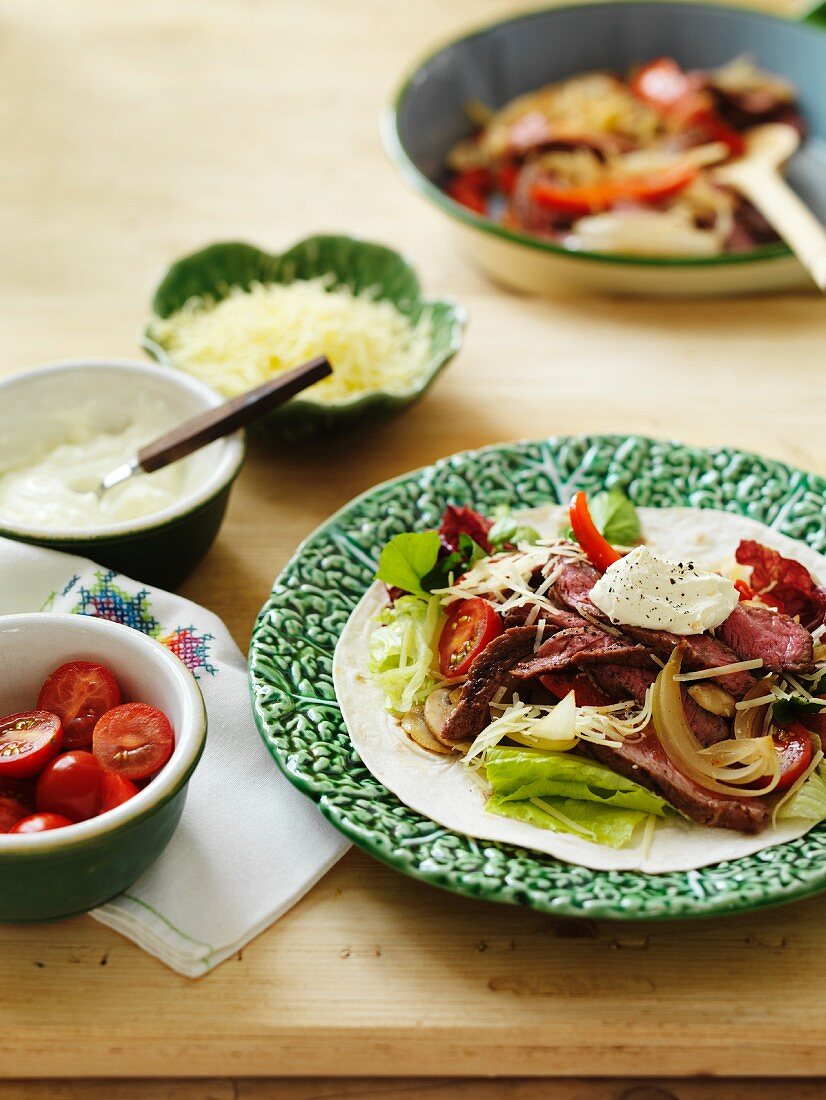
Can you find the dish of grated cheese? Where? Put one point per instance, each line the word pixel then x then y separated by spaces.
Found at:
pixel 252 335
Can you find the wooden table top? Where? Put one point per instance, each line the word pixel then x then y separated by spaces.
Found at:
pixel 135 132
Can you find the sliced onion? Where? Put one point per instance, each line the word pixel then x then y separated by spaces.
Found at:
pixel 751 722
pixel 721 768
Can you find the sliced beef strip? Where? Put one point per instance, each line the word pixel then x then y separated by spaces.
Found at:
pixel 700 651
pixel 490 671
pixel 555 619
pixel 573 587
pixel 781 642
pixel 581 645
pixel 645 762
pixel 621 682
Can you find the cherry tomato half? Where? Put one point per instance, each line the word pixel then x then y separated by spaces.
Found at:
pixel 41 823
pixel 469 628
pixel 79 693
pixel 116 790
pixel 28 741
pixel 135 740
pixel 793 744
pixel 71 785
pixel 600 552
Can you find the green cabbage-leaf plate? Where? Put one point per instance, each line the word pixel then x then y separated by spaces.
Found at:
pixel 360 265
pixel 295 707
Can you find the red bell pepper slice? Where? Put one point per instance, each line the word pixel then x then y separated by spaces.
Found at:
pixel 600 552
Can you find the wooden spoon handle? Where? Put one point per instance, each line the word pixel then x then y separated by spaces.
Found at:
pixel 793 220
pixel 229 417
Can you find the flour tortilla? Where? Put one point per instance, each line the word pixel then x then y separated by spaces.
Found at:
pixel 441 788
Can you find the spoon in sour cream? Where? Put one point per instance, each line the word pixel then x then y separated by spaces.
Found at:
pixel 216 423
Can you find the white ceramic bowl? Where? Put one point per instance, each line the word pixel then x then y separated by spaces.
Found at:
pixel 72 869
pixel 161 548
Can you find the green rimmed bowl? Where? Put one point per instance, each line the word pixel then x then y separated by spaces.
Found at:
pixel 360 265
pixel 508 58
pixel 44 876
pixel 291 657
pixel 161 548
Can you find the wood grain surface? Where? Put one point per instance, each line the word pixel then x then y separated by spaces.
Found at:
pixel 134 132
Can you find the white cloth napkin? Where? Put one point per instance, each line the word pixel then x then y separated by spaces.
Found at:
pixel 248 845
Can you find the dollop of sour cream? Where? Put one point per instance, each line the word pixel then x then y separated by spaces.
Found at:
pixel 644 589
pixel 52 487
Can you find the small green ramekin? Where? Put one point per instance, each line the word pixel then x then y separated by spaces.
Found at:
pixel 159 549
pixel 54 874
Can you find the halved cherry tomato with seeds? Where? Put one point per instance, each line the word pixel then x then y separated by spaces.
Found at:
pixel 470 626
pixel 115 791
pixel 793 744
pixel 41 823
pixel 71 785
pixel 28 741
pixel 134 740
pixel 79 693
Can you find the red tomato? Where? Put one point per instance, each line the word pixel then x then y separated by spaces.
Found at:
pixel 116 790
pixel 586 694
pixel 600 552
pixel 41 823
pixel 71 785
pixel 469 628
pixel 794 747
pixel 79 693
pixel 14 804
pixel 28 741
pixel 134 740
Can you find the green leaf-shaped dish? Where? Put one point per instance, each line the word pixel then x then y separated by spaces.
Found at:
pixel 360 265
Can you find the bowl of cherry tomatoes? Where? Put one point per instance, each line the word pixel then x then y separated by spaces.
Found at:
pixel 101 728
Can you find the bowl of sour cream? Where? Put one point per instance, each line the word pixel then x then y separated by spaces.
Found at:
pixel 67 424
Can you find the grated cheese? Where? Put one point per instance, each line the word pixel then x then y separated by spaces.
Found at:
pixel 721 670
pixel 251 336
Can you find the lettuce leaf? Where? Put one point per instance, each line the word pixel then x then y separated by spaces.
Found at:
pixel 599 824
pixel 407 558
pixel 809 801
pixel 519 774
pixel 615 516
pixel 401 651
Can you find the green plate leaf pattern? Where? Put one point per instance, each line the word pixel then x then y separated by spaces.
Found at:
pixel 360 265
pixel 294 702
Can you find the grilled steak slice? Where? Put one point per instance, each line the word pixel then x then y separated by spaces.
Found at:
pixel 555 619
pixel 620 683
pixel 581 645
pixel 490 671
pixel 782 643
pixel 700 651
pixel 573 587
pixel 645 762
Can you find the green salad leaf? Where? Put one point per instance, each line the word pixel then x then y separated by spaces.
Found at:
pixel 454 564
pixel 507 532
pixel 402 651
pixel 809 801
pixel 790 710
pixel 599 824
pixel 407 558
pixel 565 793
pixel 517 774
pixel 615 517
